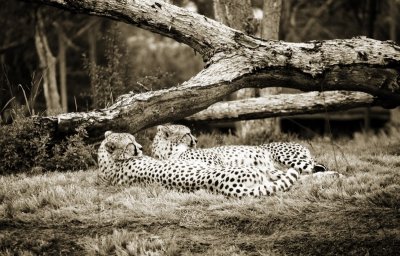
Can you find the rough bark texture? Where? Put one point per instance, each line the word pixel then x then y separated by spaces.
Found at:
pixel 48 64
pixel 235 61
pixel 283 105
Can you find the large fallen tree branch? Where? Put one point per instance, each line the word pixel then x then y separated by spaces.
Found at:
pixel 235 61
pixel 283 105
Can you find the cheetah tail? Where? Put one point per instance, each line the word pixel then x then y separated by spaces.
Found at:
pixel 283 184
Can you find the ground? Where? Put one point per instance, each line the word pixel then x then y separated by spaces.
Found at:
pixel 71 214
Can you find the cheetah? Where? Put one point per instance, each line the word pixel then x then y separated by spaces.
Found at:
pixel 294 155
pixel 177 142
pixel 121 161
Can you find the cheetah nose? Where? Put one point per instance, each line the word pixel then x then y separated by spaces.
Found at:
pixel 319 168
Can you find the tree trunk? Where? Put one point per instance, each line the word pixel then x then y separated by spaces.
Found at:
pixel 271 19
pixel 237 14
pixel 92 35
pixel 48 64
pixel 270 30
pixel 313 20
pixel 394 9
pixel 234 61
pixel 370 31
pixel 62 68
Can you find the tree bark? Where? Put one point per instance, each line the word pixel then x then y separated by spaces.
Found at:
pixel 234 61
pixel 271 19
pixel 282 105
pixel 48 64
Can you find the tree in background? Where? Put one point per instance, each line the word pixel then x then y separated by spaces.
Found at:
pixel 238 14
pixel 16 61
pixel 136 60
pixel 35 50
pixel 235 61
pixel 48 67
pixel 269 29
pixel 300 13
pixel 393 18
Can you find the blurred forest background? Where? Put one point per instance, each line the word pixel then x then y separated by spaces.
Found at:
pixel 95 59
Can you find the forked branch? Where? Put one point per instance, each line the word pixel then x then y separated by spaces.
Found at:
pixel 234 61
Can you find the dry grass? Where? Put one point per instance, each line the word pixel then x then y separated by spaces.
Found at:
pixel 70 213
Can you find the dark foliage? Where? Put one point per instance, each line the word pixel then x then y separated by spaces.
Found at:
pixel 25 147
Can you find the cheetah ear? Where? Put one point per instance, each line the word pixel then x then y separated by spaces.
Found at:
pixel 163 129
pixel 110 147
pixel 138 149
pixel 107 133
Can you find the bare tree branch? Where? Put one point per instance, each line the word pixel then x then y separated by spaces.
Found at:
pixel 202 34
pixel 13 44
pixel 283 105
pixel 48 65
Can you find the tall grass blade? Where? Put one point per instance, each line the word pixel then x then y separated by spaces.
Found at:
pixel 26 99
pixel 8 102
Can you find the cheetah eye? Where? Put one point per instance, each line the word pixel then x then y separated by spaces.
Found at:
pixel 110 146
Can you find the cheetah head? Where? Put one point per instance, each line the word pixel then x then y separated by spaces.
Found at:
pixel 121 146
pixel 177 134
pixel 171 138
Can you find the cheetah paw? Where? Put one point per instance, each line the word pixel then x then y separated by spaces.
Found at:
pixel 275 175
pixel 327 174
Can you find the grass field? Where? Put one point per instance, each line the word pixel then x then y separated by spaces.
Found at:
pixel 71 214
